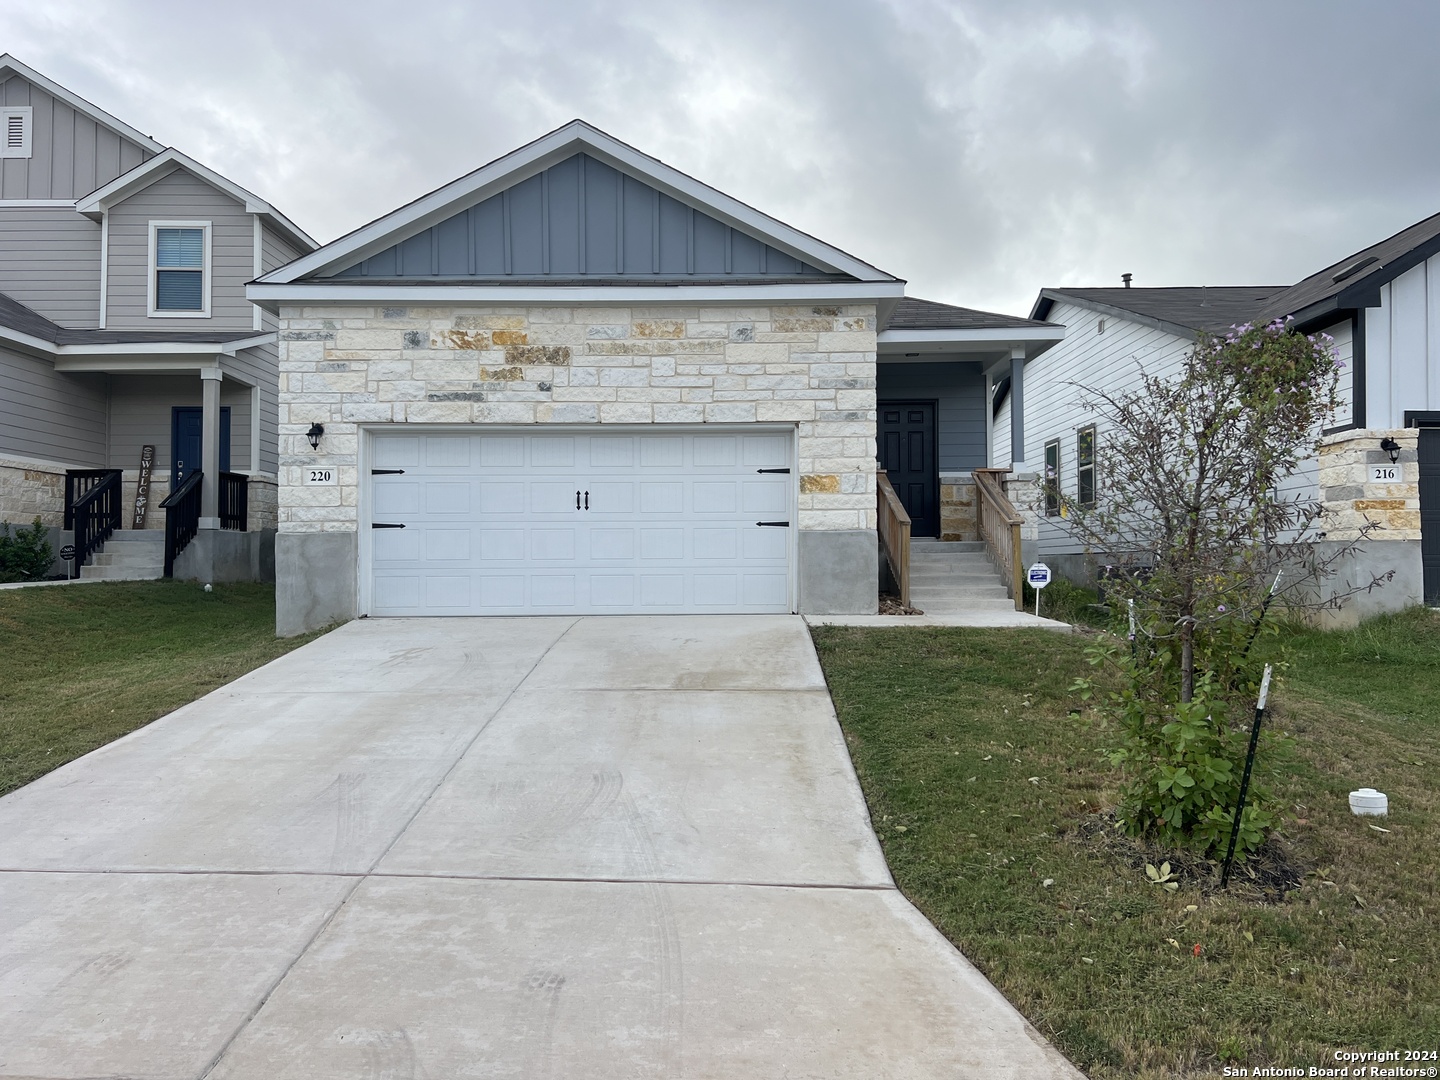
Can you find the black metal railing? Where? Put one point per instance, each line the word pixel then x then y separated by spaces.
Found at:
pixel 77 483
pixel 182 518
pixel 94 516
pixel 234 500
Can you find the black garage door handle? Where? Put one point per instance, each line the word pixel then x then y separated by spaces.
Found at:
pixel 774 524
pixel 384 525
pixel 387 472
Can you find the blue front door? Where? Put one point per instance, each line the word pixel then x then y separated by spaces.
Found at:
pixel 185 442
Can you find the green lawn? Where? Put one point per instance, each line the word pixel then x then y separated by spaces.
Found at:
pixel 983 786
pixel 81 665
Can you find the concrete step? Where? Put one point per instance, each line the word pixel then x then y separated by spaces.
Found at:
pixel 122 573
pixel 138 536
pixel 943 608
pixel 129 558
pixel 948 546
pixel 955 597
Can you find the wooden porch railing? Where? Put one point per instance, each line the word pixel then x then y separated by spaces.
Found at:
pixel 1000 529
pixel 894 525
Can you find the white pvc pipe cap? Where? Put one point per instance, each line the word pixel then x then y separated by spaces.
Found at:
pixel 1369 802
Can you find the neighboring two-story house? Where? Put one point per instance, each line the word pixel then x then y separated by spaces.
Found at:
pixel 1382 308
pixel 124 325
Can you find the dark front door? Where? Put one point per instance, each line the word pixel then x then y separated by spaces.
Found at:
pixel 1430 511
pixel 907 454
pixel 185 441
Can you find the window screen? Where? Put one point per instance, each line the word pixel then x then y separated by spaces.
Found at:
pixel 179 269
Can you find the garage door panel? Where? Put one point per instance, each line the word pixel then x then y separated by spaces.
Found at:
pixel 396 496
pixel 716 450
pixel 614 451
pixel 502 592
pixel 765 497
pixel 552 451
pixel 450 499
pixel 662 591
pixel 662 497
pixel 499 498
pixel 717 543
pixel 662 544
pixel 662 452
pixel 447 451
pixel 451 591
pixel 764 544
pixel 611 496
pixel 502 451
pixel 612 590
pixel 716 496
pixel 764 590
pixel 397 546
pixel 552 591
pixel 717 590
pixel 396 452
pixel 492 526
pixel 612 544
pixel 766 451
pixel 447 545
pixel 553 545
pixel 399 593
pixel 553 498
pixel 502 545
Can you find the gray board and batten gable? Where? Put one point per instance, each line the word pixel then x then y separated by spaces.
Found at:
pixel 581 219
pixel 74 146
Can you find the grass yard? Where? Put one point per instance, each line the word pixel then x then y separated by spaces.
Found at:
pixel 983 785
pixel 81 665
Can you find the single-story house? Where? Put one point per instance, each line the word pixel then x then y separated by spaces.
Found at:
pixel 578 380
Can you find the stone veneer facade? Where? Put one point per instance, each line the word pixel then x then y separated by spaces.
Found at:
pixel 31 489
pixel 348 366
pixel 1351 499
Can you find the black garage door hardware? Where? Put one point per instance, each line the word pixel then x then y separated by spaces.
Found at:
pixel 774 524
pixel 384 525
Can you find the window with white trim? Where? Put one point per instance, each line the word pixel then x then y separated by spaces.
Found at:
pixel 180 269
pixel 15 124
pixel 1085 466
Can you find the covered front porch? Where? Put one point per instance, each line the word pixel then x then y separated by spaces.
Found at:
pixel 163 485
pixel 938 370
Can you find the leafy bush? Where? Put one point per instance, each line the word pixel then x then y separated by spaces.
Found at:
pixel 1068 602
pixel 25 554
pixel 1182 756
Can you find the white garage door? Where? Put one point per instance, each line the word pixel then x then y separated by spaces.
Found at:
pixel 560 522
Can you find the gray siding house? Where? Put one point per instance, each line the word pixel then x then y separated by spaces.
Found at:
pixel 124 322
pixel 578 380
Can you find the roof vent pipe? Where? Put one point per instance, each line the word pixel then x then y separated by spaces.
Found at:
pixel 1126 279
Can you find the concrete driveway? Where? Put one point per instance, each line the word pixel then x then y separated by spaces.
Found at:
pixel 621 847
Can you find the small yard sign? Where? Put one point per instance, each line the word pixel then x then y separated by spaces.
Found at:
pixel 322 477
pixel 1038 576
pixel 1385 474
pixel 67 552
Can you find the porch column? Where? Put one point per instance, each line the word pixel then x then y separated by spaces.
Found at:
pixel 1017 408
pixel 210 448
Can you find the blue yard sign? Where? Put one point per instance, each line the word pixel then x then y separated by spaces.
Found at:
pixel 1039 576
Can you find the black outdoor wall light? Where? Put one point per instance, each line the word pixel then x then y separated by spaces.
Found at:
pixel 1391 447
pixel 316 430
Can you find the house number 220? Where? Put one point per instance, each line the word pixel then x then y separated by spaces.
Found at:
pixel 320 476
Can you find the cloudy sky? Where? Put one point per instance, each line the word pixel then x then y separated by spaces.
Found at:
pixel 979 150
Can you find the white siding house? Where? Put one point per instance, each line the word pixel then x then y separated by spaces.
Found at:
pixel 1382 308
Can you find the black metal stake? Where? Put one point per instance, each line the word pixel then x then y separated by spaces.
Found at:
pixel 1264 607
pixel 1245 780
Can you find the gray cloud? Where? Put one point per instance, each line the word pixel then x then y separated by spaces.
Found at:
pixel 979 150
